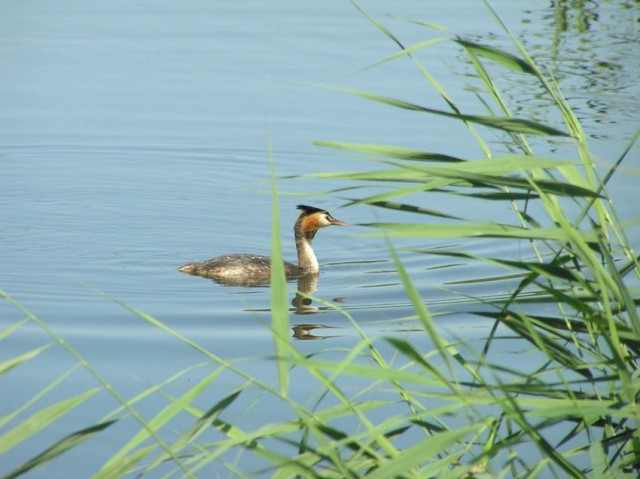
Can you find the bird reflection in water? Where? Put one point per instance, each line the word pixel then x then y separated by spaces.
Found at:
pixel 303 331
pixel 302 303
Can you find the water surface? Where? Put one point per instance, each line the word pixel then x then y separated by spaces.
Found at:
pixel 135 138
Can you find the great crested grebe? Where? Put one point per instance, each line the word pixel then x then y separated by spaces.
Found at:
pixel 235 267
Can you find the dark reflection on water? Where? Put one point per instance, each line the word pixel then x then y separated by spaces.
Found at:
pixel 305 332
pixel 591 49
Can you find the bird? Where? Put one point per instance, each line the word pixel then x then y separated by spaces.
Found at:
pixel 249 268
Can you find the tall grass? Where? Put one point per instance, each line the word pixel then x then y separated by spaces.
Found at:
pixel 582 264
pixel 443 411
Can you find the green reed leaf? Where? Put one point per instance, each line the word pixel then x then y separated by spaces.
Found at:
pixel 523 326
pixel 408 208
pixel 484 173
pixel 173 409
pixel 9 364
pixel 496 55
pixel 126 464
pixel 389 151
pixel 514 125
pixel 487 230
pixel 212 414
pixel 59 448
pixel 9 330
pixel 280 324
pixel 549 270
pixel 42 419
pixel 421 452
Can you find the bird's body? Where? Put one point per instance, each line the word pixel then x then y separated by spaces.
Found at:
pixel 237 265
pixel 250 267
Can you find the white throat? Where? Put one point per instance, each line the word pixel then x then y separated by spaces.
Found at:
pixel 306 257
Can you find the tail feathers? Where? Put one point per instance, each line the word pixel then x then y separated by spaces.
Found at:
pixel 187 268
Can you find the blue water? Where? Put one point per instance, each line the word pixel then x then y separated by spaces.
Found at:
pixel 135 137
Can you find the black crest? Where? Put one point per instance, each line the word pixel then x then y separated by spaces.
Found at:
pixel 309 210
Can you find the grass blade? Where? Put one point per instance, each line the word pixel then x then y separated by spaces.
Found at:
pixel 279 302
pixel 9 364
pixel 41 419
pixel 514 125
pixel 499 56
pixel 59 448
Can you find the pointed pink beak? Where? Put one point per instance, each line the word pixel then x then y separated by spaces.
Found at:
pixel 336 222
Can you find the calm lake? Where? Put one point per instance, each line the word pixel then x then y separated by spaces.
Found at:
pixel 135 138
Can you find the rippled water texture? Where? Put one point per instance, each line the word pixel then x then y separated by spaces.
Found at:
pixel 134 138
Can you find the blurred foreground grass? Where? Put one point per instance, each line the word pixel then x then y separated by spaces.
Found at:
pixel 445 411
